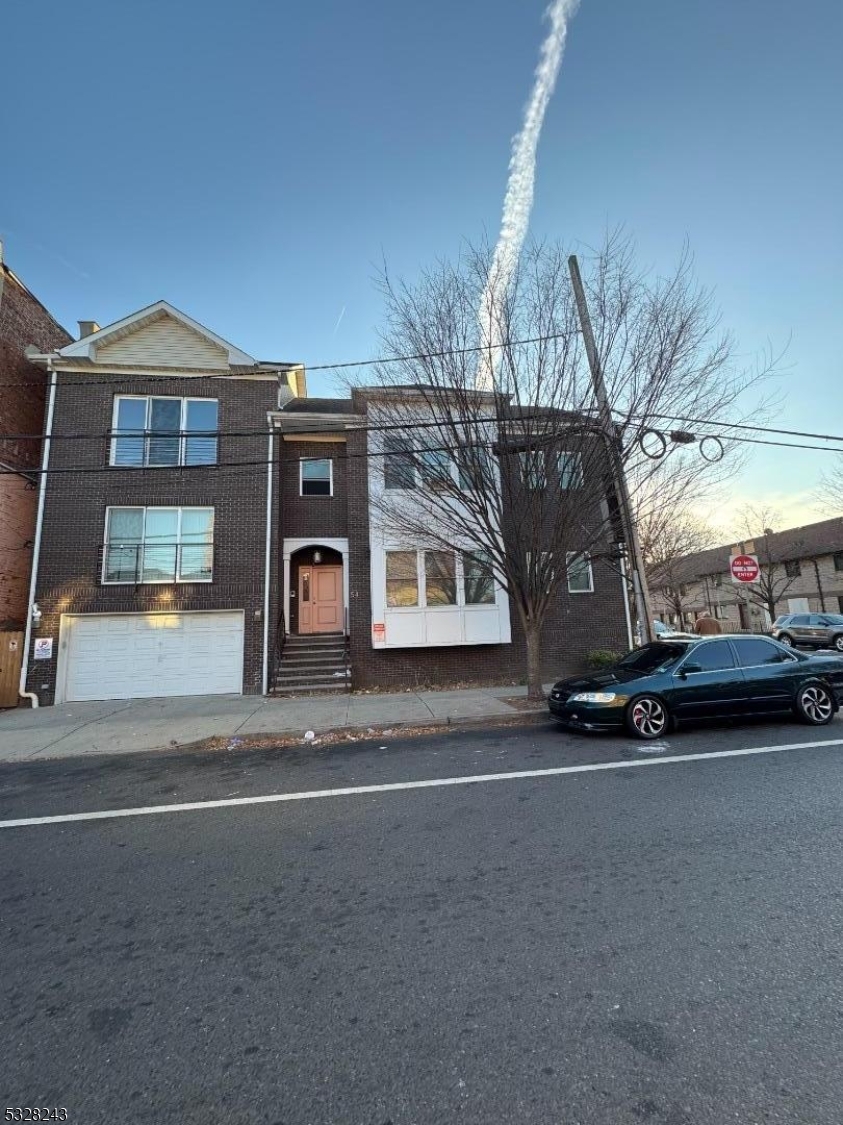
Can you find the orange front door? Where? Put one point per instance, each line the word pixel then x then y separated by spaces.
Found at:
pixel 320 599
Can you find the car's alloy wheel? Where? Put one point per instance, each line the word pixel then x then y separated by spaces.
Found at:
pixel 838 642
pixel 785 639
pixel 815 705
pixel 647 717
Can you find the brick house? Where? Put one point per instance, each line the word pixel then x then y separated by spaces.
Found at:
pixel 804 566
pixel 24 323
pixel 208 529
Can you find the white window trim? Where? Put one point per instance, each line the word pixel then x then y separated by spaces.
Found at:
pixel 580 479
pixel 183 435
pixel 582 556
pixel 316 495
pixel 533 461
pixel 158 508
pixel 421 584
pixel 413 468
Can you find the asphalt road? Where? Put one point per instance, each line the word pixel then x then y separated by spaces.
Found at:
pixel 658 943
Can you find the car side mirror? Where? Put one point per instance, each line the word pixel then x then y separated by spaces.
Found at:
pixel 688 668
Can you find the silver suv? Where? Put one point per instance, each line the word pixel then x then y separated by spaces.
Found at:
pixel 810 630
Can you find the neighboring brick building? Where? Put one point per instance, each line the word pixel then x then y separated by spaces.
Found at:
pixel 208 529
pixel 24 323
pixel 802 568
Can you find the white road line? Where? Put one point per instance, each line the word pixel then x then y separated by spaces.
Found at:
pixel 396 786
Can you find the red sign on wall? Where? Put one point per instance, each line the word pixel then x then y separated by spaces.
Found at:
pixel 745 568
pixel 379 632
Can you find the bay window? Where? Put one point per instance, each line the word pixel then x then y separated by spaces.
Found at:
pixel 478 579
pixel 440 573
pixel 402 579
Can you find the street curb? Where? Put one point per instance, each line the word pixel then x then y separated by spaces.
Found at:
pixel 362 732
pixel 288 739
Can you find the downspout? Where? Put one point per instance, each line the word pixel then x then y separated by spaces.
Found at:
pixel 625 587
pixel 267 562
pixel 36 548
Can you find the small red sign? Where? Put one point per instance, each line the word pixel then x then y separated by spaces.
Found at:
pixel 379 632
pixel 745 568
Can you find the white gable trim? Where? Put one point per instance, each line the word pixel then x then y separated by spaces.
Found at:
pixel 87 347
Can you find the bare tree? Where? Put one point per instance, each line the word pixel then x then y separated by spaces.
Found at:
pixel 829 495
pixel 520 475
pixel 669 533
pixel 757 524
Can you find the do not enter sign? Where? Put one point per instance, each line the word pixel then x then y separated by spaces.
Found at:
pixel 745 568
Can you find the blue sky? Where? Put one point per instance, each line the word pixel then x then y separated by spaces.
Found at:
pixel 253 163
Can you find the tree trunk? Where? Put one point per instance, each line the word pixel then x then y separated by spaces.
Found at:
pixel 533 636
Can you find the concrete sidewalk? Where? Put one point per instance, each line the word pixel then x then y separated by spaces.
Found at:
pixel 134 725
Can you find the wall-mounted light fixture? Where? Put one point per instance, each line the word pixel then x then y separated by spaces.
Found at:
pixel 36 614
pixel 317 557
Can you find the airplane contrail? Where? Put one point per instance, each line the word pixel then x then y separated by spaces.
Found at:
pixel 518 201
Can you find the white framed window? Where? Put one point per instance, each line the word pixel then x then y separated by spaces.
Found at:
pixel 478 578
pixel 570 470
pixel 435 579
pixel 533 469
pixel 440 578
pixel 580 575
pixel 402 579
pixel 474 468
pixel 435 466
pixel 151 431
pixel 158 545
pixel 398 467
pixel 316 476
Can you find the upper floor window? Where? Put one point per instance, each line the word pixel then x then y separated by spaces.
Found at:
pixel 158 431
pixel 838 560
pixel 398 470
pixel 316 476
pixel 435 465
pixel 474 468
pixel 792 568
pixel 533 471
pixel 158 545
pixel 580 576
pixel 570 470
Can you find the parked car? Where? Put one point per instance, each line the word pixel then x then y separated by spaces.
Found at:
pixel 661 632
pixel 812 630
pixel 668 682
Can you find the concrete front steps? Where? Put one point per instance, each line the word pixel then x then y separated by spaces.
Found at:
pixel 313 663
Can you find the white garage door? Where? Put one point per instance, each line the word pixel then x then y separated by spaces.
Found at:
pixel 135 655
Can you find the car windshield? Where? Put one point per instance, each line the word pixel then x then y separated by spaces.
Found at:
pixel 652 657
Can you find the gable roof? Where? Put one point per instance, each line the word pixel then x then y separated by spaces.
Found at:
pixel 87 346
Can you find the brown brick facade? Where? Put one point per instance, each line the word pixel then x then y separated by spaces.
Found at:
pixel 579 624
pixel 69 578
pixel 75 507
pixel 24 322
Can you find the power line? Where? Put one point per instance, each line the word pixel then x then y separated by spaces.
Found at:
pixel 315 367
pixel 87 469
pixel 737 426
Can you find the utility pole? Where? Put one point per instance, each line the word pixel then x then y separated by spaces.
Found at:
pixel 604 415
pixel 820 590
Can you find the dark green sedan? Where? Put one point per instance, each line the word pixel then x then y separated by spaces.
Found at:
pixel 668 682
